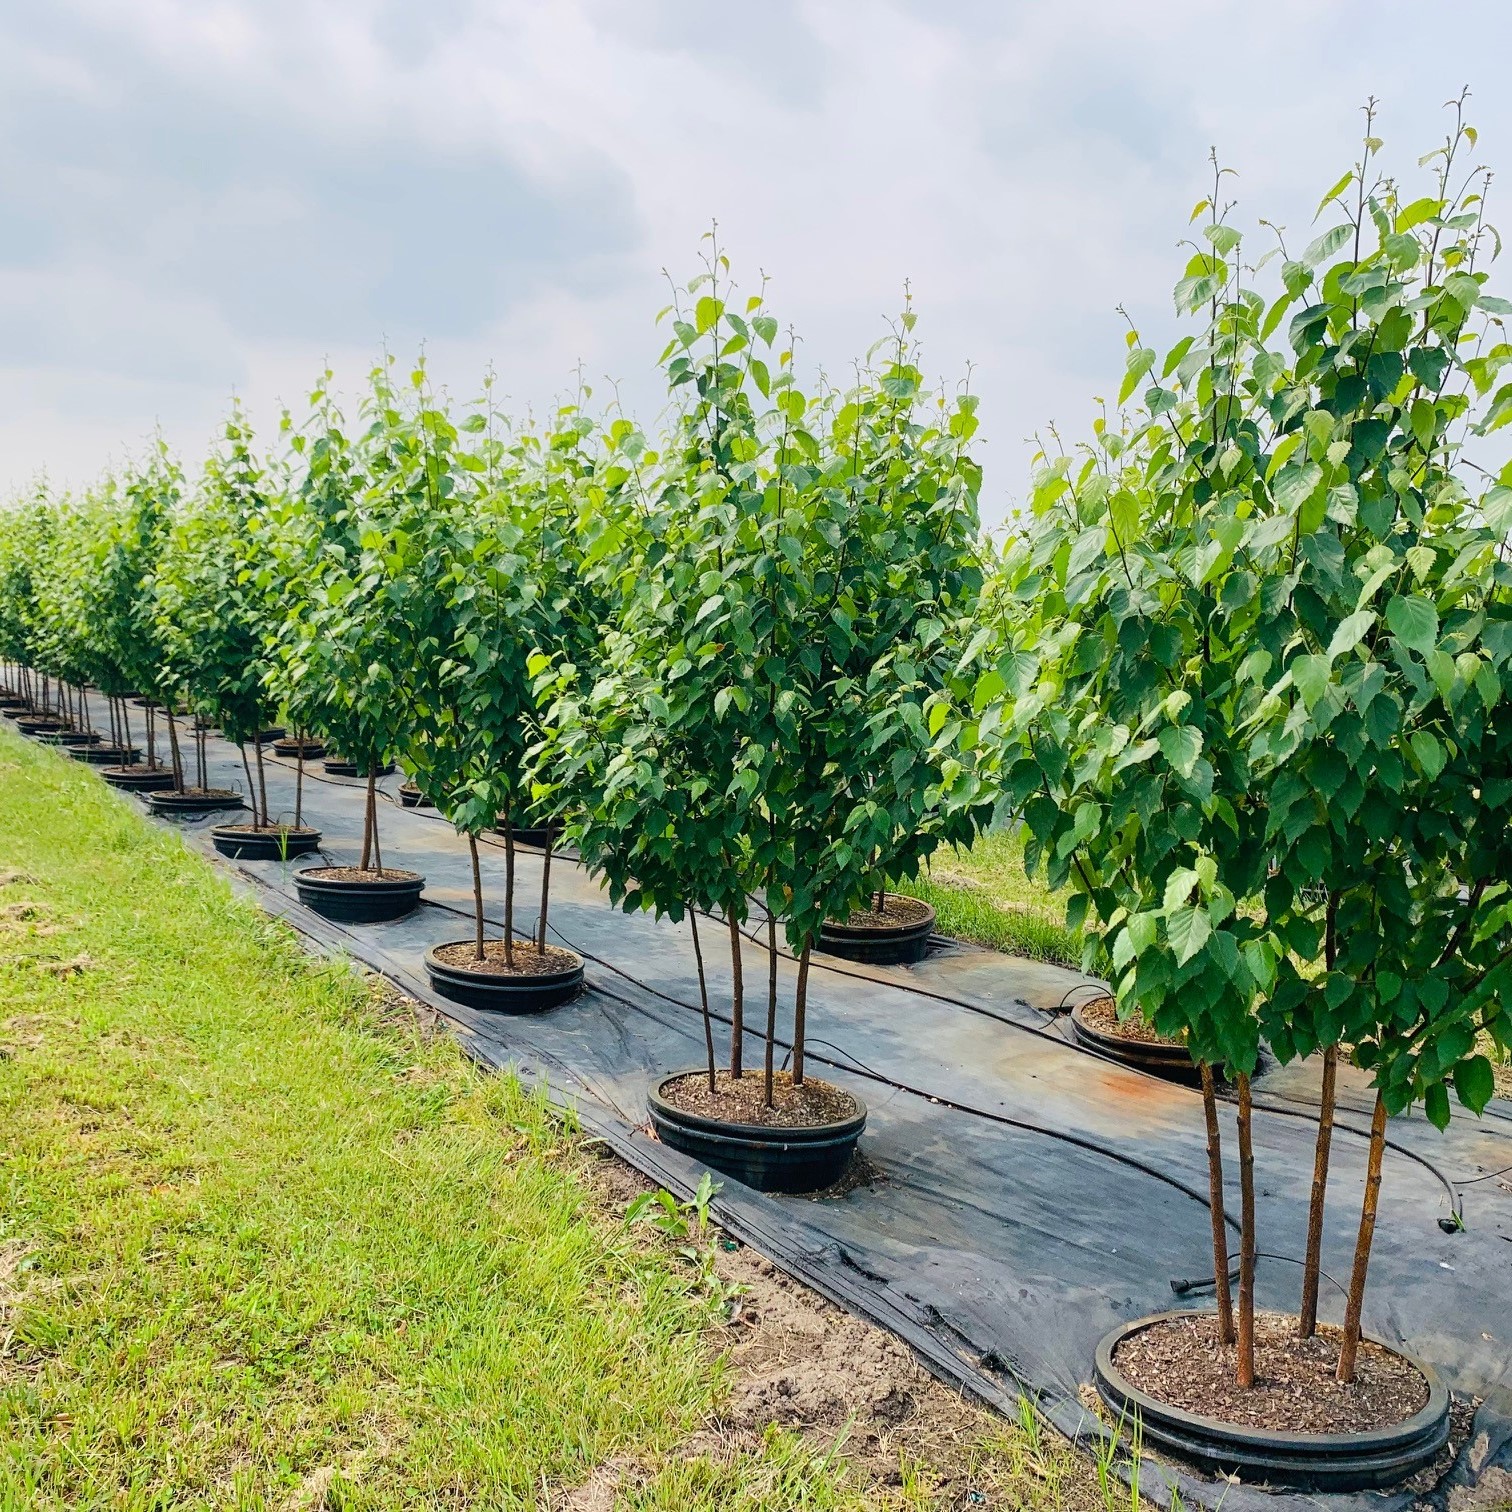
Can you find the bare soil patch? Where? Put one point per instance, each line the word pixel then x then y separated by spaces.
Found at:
pixel 529 961
pixel 743 1100
pixel 1181 1363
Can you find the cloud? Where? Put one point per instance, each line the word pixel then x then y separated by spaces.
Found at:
pixel 201 194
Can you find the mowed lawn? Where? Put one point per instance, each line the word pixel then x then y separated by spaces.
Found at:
pixel 265 1244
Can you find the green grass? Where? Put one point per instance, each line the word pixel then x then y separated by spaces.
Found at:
pixel 983 895
pixel 255 1237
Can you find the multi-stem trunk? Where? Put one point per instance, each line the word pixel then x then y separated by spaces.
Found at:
pixel 703 997
pixel 509 881
pixel 800 1013
pixel 737 996
pixel 545 889
pixel 477 870
pixel 1312 1260
pixel 1350 1349
pixel 1216 1208
pixel 125 733
pixel 771 1023
pixel 1245 1353
pixel 152 760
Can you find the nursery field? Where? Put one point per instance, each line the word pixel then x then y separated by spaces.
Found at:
pixel 268 1240
pixel 686 772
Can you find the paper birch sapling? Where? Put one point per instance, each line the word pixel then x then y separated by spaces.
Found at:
pixel 1254 664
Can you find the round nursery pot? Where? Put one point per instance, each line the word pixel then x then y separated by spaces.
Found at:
pixel 1359 1461
pixel 289 746
pixel 899 936
pixel 460 978
pixel 69 738
pixel 348 895
pixel 271 736
pixel 537 835
pixel 13 707
pixel 247 842
pixel 411 797
pixel 39 724
pixel 193 801
pixel 106 755
pixel 339 766
pixel 770 1158
pixel 139 779
pixel 1093 1028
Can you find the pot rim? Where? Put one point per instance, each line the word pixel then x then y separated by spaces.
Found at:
pixel 836 929
pixel 486 980
pixel 754 1134
pixel 1365 1440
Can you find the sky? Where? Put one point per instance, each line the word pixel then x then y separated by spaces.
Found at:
pixel 201 198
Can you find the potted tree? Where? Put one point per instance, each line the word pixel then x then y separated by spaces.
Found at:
pixel 348 638
pixel 506 595
pixel 1252 694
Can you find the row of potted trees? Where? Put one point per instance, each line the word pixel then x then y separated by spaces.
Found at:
pixel 1243 676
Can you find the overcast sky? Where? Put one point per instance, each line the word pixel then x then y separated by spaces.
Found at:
pixel 202 196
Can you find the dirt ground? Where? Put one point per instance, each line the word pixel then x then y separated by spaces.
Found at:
pixel 796 1361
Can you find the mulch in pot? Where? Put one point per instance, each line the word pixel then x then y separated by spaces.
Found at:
pixel 461 955
pixel 357 874
pixel 1101 1014
pixel 1180 1362
pixel 898 911
pixel 742 1100
pixel 290 746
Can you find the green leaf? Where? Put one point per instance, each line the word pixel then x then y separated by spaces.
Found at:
pixel 1474 1083
pixel 1414 622
pixel 1188 931
pixel 1181 745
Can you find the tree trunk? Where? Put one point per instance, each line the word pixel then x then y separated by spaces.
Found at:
pixel 800 1014
pixel 373 799
pixel 1312 1261
pixel 369 823
pixel 299 780
pixel 737 997
pixel 241 746
pixel 262 781
pixel 1245 1363
pixel 126 733
pixel 1351 1346
pixel 771 1022
pixel 177 755
pixel 152 760
pixel 509 880
pixel 703 997
pixel 1215 1207
pixel 472 846
pixel 545 889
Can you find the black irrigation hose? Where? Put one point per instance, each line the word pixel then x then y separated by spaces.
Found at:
pixel 1184 1288
pixel 1450 1187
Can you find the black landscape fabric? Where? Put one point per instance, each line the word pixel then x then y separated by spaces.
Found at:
pixel 1023 1196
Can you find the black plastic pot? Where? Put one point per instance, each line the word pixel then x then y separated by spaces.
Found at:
pixel 899 945
pixel 525 994
pixel 39 724
pixel 139 779
pixel 13 708
pixel 289 746
pixel 172 804
pixel 536 835
pixel 263 845
pixel 272 734
pixel 106 755
pixel 1308 1461
pixel 767 1159
pixel 411 797
pixel 1173 1062
pixel 337 766
pixel 69 738
pixel 360 902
